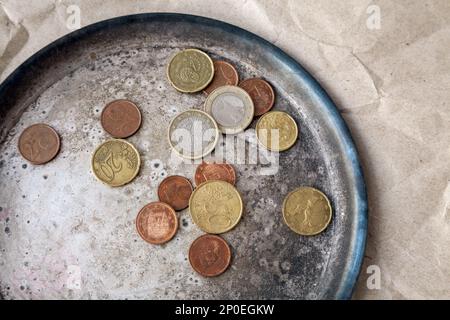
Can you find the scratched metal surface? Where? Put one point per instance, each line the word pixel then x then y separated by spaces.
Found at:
pixel 66 235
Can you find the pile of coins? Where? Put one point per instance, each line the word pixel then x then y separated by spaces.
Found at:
pixel 215 204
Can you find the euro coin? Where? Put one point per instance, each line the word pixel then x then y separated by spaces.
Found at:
pixel 216 206
pixel 307 211
pixel 116 162
pixel 261 92
pixel 175 191
pixel 190 70
pixel 121 118
pixel 276 131
pixel 193 134
pixel 224 74
pixel 231 107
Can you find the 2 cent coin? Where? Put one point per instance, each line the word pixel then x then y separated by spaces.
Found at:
pixel 210 255
pixel 39 143
pixel 261 92
pixel 215 171
pixel 121 118
pixel 157 223
pixel 175 191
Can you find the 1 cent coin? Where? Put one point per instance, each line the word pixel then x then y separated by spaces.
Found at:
pixel 39 143
pixel 121 118
pixel 175 191
pixel 224 74
pixel 261 92
pixel 215 171
pixel 157 223
pixel 210 255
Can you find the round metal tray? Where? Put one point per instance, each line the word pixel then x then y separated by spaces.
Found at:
pixel 66 235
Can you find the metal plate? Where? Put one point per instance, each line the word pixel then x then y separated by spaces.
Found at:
pixel 65 235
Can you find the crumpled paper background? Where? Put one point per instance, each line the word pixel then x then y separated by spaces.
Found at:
pixel 392 86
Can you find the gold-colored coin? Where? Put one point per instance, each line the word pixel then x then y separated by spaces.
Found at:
pixel 307 211
pixel 116 162
pixel 216 206
pixel 277 131
pixel 190 70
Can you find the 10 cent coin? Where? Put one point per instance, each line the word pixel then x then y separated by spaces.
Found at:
pixel 190 70
pixel 277 131
pixel 307 211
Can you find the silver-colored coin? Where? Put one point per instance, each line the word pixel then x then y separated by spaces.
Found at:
pixel 231 107
pixel 193 134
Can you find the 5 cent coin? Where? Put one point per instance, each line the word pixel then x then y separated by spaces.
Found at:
pixel 157 223
pixel 39 143
pixel 121 118
pixel 307 211
pixel 210 255
pixel 175 191
pixel 224 74
pixel 261 92
pixel 215 171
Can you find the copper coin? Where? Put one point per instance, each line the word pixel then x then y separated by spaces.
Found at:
pixel 39 143
pixel 175 191
pixel 121 118
pixel 157 223
pixel 215 171
pixel 224 74
pixel 261 92
pixel 209 255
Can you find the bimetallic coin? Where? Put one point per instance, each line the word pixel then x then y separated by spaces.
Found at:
pixel 39 143
pixel 209 255
pixel 190 70
pixel 224 74
pixel 121 118
pixel 116 162
pixel 277 131
pixel 175 191
pixel 215 171
pixel 157 223
pixel 216 206
pixel 261 92
pixel 231 107
pixel 307 211
pixel 193 134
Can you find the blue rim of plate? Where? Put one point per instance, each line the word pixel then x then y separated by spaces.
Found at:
pixel 350 275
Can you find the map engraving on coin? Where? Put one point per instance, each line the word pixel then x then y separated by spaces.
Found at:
pixel 116 162
pixel 216 206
